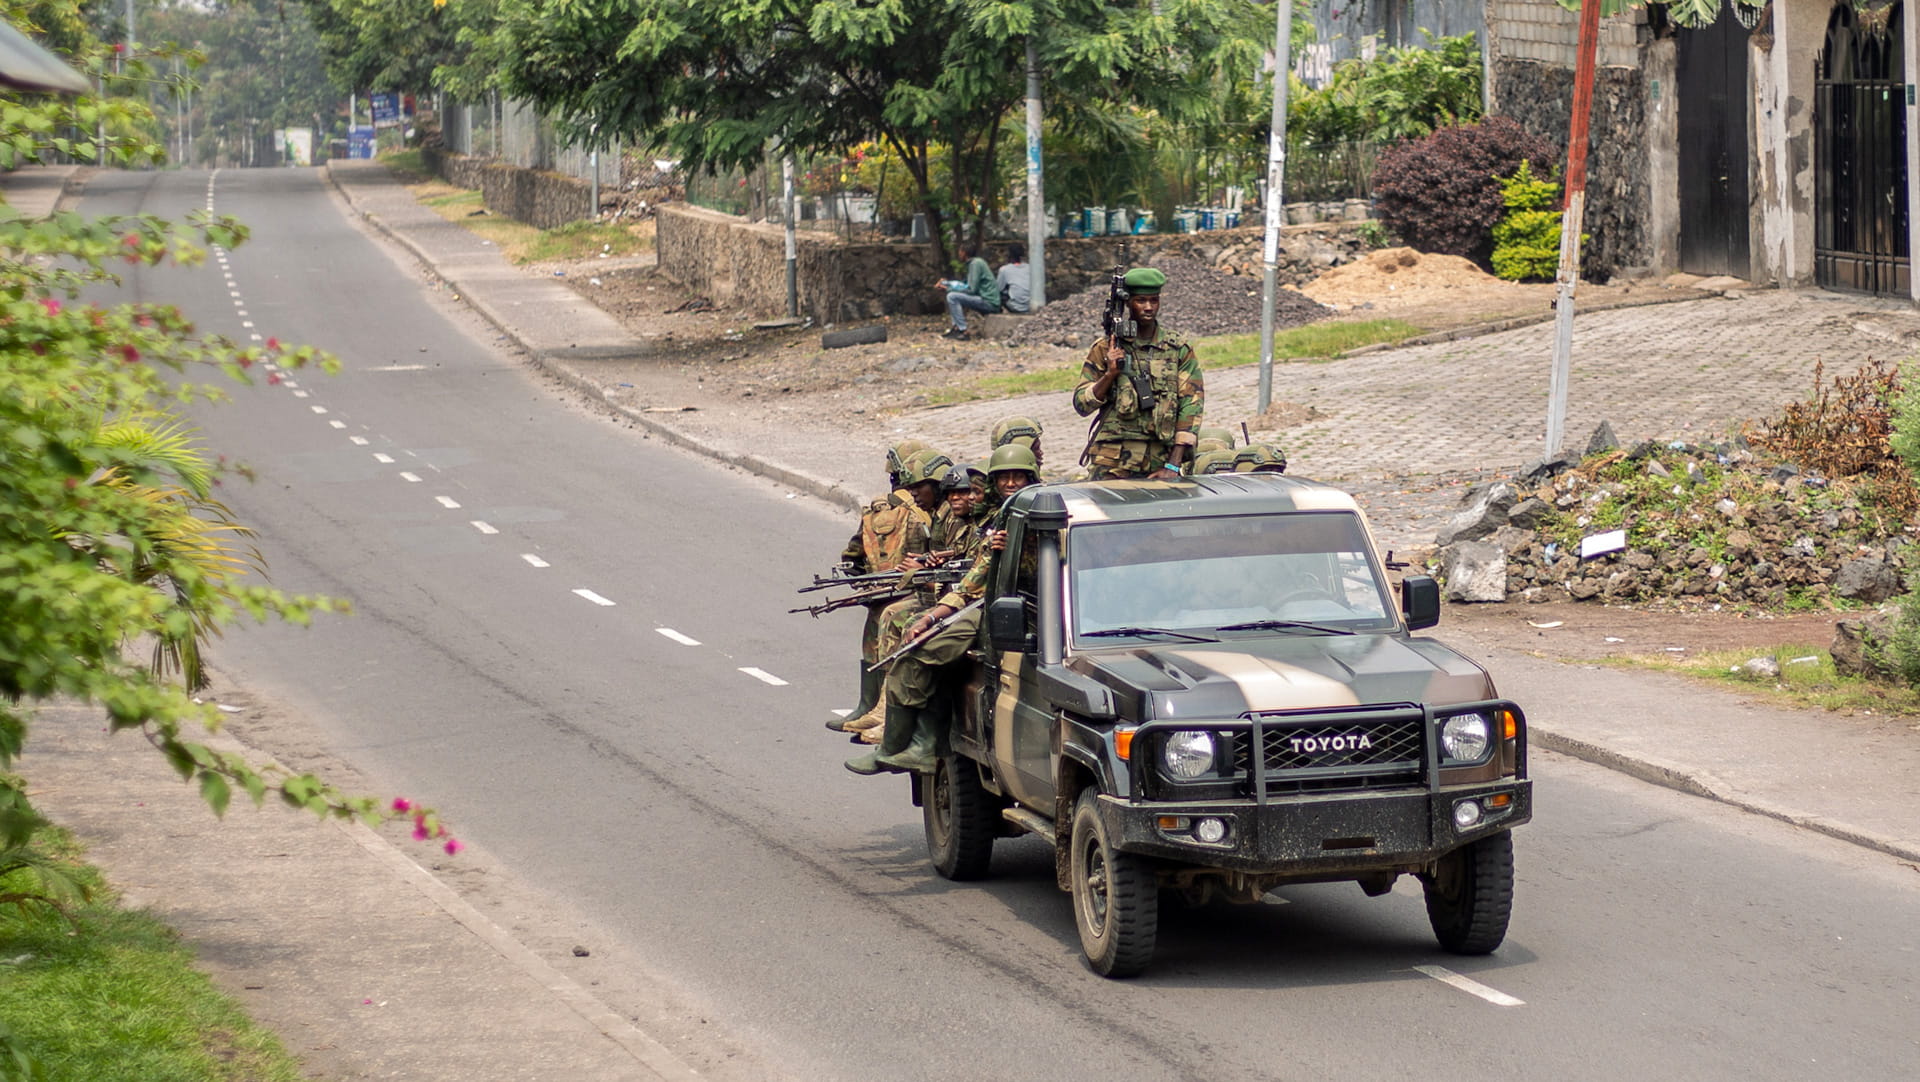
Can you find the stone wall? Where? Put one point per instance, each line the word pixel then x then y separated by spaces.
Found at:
pixel 1619 186
pixel 742 264
pixel 1543 31
pixel 539 198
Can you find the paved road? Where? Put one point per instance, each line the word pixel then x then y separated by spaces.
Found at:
pixel 574 642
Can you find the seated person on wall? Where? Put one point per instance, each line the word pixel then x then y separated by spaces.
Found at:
pixel 1016 280
pixel 978 292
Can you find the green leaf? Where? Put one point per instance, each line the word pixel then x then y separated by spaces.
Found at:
pixel 214 790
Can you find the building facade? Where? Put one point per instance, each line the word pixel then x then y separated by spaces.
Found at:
pixel 1774 144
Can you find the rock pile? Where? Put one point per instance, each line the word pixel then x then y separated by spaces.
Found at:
pixel 1704 523
pixel 1200 301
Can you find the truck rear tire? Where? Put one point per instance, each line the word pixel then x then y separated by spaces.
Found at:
pixel 961 818
pixel 1470 895
pixel 1116 902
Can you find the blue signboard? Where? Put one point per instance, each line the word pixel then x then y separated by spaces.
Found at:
pixel 360 141
pixel 386 110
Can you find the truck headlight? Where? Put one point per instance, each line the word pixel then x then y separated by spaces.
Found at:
pixel 1465 736
pixel 1188 755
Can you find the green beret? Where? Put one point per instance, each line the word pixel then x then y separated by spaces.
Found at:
pixel 1144 281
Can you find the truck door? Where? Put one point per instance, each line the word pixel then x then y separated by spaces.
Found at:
pixel 1021 723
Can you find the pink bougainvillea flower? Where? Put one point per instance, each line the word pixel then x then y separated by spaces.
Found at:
pixel 453 846
pixel 273 378
pixel 420 833
pixel 273 343
pixel 246 360
pixel 402 804
pixel 52 304
pixel 129 354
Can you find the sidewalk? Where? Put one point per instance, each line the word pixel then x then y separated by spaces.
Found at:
pixel 1390 422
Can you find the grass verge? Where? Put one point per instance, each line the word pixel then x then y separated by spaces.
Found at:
pixel 522 243
pixel 112 996
pixel 1807 679
pixel 1312 341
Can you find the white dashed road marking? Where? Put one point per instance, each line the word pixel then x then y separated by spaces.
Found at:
pixel 482 527
pixel 448 502
pixel 385 460
pixel 534 560
pixel 684 640
pixel 316 409
pixel 298 394
pixel 413 477
pixel 1470 986
pixel 764 676
pixel 842 711
pixel 359 441
pixel 593 597
pixel 338 424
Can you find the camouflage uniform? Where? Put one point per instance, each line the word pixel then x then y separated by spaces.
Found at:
pixel 1125 441
pixel 891 529
pixel 964 537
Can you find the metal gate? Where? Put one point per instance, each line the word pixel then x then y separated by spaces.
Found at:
pixel 1860 156
pixel 1711 72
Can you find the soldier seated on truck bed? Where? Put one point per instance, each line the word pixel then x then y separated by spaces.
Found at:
pixel 912 724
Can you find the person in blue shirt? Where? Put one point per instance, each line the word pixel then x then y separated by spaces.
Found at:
pixel 979 292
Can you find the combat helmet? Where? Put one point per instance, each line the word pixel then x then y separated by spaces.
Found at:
pixel 1014 456
pixel 1220 433
pixel 925 465
pixel 1260 458
pixel 1025 429
pixel 897 457
pixel 957 478
pixel 1220 461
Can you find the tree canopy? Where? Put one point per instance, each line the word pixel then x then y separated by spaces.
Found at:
pixel 715 82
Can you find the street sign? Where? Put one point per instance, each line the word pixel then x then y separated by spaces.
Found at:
pixel 386 110
pixel 360 141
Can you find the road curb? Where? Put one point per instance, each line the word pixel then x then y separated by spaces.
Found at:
pixel 1678 778
pixel 649 1053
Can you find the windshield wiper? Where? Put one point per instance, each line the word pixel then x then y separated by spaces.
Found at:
pixel 1285 625
pixel 1113 631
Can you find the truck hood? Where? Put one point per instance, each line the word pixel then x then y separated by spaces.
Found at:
pixel 1293 672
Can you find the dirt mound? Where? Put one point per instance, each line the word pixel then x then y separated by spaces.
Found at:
pixel 1399 271
pixel 1200 301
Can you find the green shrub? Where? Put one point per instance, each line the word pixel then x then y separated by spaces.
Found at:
pixel 1526 239
pixel 1905 436
pixel 1900 650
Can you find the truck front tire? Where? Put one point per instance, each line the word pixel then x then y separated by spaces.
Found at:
pixel 1470 895
pixel 961 818
pixel 1116 903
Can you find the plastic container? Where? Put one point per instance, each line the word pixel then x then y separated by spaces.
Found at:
pixel 1117 225
pixel 1093 221
pixel 1143 222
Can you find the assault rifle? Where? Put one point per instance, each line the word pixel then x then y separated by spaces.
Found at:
pixel 916 642
pixel 839 578
pixel 879 588
pixel 1116 322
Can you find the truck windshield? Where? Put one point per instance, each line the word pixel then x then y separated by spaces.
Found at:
pixel 1205 574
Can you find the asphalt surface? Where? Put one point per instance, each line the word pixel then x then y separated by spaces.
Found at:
pixel 748 910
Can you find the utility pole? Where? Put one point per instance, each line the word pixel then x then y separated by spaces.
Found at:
pixel 788 211
pixel 1036 197
pixel 1276 174
pixel 1570 222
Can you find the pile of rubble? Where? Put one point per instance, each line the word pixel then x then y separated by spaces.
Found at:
pixel 1198 301
pixel 1671 522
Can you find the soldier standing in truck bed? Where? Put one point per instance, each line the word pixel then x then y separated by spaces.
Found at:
pixel 1147 390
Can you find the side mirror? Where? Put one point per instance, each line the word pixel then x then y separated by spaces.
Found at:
pixel 1007 624
pixel 1420 601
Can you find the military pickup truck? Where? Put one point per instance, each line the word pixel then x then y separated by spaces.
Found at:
pixel 1203 687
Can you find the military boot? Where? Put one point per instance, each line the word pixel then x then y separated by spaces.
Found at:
pixel 872 703
pixel 901 730
pixel 872 719
pixel 918 755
